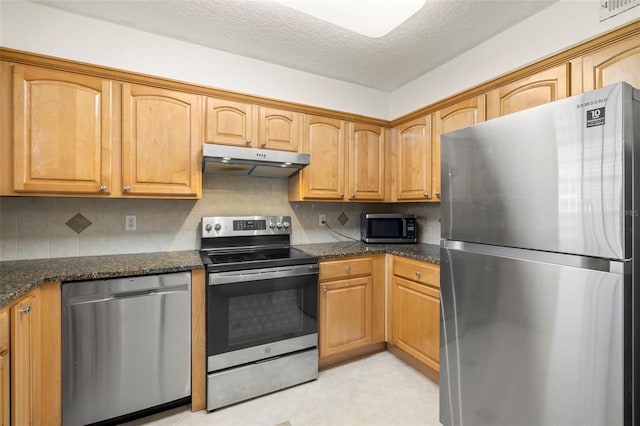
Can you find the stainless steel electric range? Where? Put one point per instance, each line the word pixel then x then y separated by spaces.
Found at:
pixel 262 308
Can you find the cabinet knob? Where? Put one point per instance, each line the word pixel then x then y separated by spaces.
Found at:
pixel 263 144
pixel 342 195
pixel 438 194
pixel 353 195
pixel 348 269
pixel 418 274
pixel 127 188
pixel 324 288
pixel 26 310
pixel 103 188
pixel 248 142
pixel 426 195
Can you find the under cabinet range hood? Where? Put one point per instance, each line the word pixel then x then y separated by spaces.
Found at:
pixel 240 161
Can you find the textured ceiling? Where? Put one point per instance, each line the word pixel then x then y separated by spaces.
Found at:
pixel 271 32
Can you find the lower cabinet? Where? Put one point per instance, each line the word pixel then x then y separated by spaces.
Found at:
pixel 351 317
pixel 5 366
pixel 31 329
pixel 414 310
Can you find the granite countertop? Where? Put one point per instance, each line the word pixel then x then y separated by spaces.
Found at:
pixel 424 252
pixel 19 277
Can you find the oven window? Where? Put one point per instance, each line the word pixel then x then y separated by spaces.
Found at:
pixel 385 228
pixel 266 315
pixel 251 313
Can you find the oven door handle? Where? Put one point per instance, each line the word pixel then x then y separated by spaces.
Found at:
pixel 217 278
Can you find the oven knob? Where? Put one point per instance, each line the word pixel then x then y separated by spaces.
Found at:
pixel 272 225
pixel 279 225
pixel 217 227
pixel 286 225
pixel 207 227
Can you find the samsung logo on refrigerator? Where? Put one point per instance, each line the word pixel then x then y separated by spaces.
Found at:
pixel 593 102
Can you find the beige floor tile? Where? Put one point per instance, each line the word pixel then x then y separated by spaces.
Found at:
pixel 379 390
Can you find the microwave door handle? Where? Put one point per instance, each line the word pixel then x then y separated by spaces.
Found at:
pixel 404 228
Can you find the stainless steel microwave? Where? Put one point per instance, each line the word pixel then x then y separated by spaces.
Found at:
pixel 388 228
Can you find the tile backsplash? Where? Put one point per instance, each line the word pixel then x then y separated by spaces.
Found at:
pixel 36 227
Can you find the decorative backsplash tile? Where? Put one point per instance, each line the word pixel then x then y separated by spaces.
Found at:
pixel 343 218
pixel 78 223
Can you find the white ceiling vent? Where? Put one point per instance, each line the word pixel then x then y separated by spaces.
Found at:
pixel 609 8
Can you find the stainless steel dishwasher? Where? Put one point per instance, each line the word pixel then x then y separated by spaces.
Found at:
pixel 126 346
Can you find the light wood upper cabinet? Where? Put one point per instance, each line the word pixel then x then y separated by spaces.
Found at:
pixel 366 166
pixel 323 179
pixel 243 124
pixel 413 154
pixel 458 116
pixel 161 141
pixel 61 131
pixel 538 89
pixel 278 129
pixel 414 310
pixel 229 123
pixel 613 64
pixel 5 368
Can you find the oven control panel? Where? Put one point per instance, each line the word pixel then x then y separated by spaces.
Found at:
pixel 231 226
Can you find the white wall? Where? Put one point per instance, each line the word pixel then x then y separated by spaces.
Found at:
pixel 39 29
pixel 556 28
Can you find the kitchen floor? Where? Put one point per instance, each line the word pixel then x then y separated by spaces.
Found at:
pixel 376 390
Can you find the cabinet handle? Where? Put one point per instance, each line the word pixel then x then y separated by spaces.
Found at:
pixel 103 188
pixel 348 269
pixel 324 288
pixel 438 194
pixel 418 274
pixel 248 142
pixel 263 144
pixel 127 188
pixel 26 310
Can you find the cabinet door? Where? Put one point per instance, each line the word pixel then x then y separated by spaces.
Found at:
pixel 229 123
pixel 5 367
pixel 366 162
pixel 413 160
pixel 324 139
pixel 25 361
pixel 161 141
pixel 61 131
pixel 278 129
pixel 416 320
pixel 619 62
pixel 462 114
pixel 345 315
pixel 541 88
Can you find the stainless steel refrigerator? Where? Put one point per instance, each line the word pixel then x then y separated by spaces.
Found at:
pixel 540 305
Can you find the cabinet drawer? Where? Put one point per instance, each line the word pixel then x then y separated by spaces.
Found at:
pixel 352 267
pixel 422 272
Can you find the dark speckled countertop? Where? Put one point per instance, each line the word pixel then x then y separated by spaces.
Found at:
pixel 20 276
pixel 425 252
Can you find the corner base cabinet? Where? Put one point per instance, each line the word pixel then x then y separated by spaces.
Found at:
pixel 414 310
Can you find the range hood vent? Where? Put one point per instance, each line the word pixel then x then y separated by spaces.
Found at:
pixel 240 161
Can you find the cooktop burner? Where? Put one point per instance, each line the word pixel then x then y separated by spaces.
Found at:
pixel 249 242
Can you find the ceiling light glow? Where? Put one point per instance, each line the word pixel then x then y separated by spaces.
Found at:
pixel 372 18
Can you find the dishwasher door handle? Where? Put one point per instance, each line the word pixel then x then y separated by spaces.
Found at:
pixel 106 297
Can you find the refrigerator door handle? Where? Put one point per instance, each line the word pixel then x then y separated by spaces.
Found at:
pixel 621 266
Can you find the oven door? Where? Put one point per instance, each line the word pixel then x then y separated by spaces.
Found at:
pixel 260 313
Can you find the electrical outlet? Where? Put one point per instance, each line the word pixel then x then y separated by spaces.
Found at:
pixel 322 218
pixel 130 222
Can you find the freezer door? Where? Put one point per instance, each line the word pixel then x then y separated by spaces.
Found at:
pixel 530 343
pixel 556 177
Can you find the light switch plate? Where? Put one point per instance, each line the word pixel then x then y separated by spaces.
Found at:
pixel 130 222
